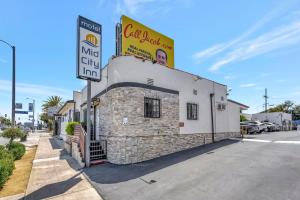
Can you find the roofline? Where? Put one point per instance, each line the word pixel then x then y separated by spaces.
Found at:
pixel 238 103
pixel 69 101
pixel 180 70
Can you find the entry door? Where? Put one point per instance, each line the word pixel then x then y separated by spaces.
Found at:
pixel 97 124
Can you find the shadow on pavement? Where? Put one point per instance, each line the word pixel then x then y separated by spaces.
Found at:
pixel 53 189
pixel 111 173
pixel 55 144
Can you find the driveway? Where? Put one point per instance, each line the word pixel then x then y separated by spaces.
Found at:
pixel 257 168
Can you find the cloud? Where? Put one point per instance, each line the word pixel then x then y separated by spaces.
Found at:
pixel 247 85
pixel 279 38
pixel 229 77
pixel 35 90
pixel 141 7
pixel 219 48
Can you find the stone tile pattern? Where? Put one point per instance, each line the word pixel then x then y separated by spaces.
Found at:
pixel 144 138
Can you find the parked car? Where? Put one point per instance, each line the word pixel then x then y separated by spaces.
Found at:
pixel 261 127
pixel 251 128
pixel 271 127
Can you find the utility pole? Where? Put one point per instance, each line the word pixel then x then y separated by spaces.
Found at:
pixel 266 100
pixel 13 99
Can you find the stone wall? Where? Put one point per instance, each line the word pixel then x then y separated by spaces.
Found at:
pixel 143 138
pixel 133 149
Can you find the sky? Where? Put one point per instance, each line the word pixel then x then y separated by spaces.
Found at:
pixel 246 45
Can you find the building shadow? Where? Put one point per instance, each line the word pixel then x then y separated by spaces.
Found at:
pixel 111 173
pixel 55 143
pixel 54 189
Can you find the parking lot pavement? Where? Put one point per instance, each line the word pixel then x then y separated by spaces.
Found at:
pixel 228 170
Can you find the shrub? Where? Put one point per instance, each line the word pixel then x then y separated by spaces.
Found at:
pixel 6 165
pixel 70 127
pixel 17 149
pixel 12 133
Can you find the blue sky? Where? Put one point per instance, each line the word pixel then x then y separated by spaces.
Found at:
pixel 247 45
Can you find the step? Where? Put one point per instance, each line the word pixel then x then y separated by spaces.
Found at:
pixel 97 162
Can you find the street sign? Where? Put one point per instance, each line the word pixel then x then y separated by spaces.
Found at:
pixel 52 110
pixel 89 49
pixel 19 105
pixel 30 107
pixel 21 112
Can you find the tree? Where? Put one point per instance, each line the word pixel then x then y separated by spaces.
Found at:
pixel 12 133
pixel 51 102
pixel 287 107
pixel 243 118
pixel 5 121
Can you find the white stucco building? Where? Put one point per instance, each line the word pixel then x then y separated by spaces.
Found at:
pixel 284 120
pixel 144 110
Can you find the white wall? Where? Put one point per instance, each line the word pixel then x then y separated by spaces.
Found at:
pixel 275 117
pixel 131 69
pixel 233 117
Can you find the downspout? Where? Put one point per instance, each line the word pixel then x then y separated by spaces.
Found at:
pixel 212 117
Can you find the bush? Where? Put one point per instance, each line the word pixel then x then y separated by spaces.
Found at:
pixel 70 127
pixel 12 133
pixel 6 165
pixel 17 149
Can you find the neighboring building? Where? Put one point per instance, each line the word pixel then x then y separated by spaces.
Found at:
pixel 284 120
pixel 69 112
pixel 145 110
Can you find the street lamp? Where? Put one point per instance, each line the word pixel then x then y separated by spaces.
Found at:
pixel 33 109
pixel 13 99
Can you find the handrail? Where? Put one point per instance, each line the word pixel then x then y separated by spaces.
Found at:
pixel 82 135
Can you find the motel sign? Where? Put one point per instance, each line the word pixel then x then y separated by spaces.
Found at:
pixel 88 49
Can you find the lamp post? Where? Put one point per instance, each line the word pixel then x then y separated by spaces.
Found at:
pixel 13 99
pixel 33 109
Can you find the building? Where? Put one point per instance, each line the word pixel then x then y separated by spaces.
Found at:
pixel 68 112
pixel 143 110
pixel 284 120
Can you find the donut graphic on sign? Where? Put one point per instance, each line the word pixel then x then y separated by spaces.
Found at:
pixel 91 40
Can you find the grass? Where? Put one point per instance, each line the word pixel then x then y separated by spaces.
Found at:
pixel 17 182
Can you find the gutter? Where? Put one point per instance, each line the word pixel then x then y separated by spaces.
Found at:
pixel 212 117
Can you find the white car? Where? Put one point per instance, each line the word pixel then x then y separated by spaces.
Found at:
pixel 261 126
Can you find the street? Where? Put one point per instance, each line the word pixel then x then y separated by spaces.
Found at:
pixel 264 166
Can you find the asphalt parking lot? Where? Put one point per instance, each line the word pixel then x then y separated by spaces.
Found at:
pixel 265 166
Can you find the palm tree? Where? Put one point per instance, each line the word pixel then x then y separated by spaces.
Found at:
pixel 51 102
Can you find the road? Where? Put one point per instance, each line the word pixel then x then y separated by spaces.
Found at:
pixel 263 166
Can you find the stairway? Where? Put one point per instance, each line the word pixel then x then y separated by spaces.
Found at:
pixel 97 152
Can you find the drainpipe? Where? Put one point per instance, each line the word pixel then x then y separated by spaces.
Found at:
pixel 212 117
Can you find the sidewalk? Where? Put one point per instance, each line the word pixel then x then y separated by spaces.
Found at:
pixel 56 175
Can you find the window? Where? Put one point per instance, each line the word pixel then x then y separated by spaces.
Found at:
pixel 192 111
pixel 151 108
pixel 221 106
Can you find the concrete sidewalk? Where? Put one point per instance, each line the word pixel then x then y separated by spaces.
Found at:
pixel 56 175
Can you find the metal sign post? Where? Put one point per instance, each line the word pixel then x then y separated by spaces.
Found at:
pixel 89 43
pixel 88 126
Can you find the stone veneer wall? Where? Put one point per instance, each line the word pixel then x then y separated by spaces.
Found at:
pixel 144 138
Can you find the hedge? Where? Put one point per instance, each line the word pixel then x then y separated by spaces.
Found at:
pixel 6 165
pixel 70 127
pixel 17 149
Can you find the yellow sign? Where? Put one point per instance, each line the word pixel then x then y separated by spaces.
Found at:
pixel 146 43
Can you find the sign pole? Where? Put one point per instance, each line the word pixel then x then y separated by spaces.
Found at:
pixel 88 125
pixel 13 103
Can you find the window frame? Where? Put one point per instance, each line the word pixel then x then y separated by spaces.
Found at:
pixel 153 113
pixel 189 111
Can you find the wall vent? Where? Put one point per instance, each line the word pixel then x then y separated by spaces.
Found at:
pixel 150 81
pixel 195 92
